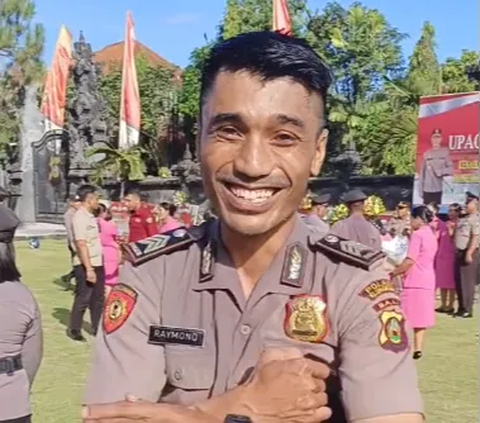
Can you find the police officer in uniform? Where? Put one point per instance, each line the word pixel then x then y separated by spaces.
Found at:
pixel 187 324
pixel 356 227
pixel 466 243
pixel 142 222
pixel 318 213
pixel 21 345
pixel 436 164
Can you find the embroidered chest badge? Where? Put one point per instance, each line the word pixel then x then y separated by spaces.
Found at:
pixel 294 265
pixel 393 336
pixel 305 318
pixel 118 307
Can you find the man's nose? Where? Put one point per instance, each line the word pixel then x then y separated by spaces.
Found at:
pixel 255 158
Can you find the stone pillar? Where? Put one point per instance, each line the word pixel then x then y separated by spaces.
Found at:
pixel 31 131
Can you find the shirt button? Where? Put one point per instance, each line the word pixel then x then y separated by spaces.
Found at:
pixel 178 375
pixel 245 330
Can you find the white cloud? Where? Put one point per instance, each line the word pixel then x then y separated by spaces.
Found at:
pixel 182 19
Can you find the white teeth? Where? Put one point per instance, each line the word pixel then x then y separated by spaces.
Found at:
pixel 253 195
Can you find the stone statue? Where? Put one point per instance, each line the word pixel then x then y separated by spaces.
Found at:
pixel 87 113
pixel 346 164
pixel 188 170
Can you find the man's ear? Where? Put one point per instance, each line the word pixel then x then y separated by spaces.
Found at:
pixel 320 153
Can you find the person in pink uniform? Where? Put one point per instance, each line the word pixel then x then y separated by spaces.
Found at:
pixel 164 215
pixel 444 263
pixel 418 295
pixel 110 248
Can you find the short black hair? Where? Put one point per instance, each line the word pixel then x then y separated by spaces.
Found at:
pixel 134 191
pixel 424 213
pixel 8 268
pixel 84 191
pixel 268 55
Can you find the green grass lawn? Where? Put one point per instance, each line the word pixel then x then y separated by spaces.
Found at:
pixel 448 372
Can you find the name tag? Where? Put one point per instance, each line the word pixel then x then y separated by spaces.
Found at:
pixel 168 335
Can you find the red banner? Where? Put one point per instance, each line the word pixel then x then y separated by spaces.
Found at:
pixel 281 17
pixel 447 149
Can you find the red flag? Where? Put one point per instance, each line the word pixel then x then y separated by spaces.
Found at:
pixel 281 18
pixel 130 102
pixel 55 92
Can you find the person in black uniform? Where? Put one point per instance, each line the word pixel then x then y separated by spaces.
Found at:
pixel 21 340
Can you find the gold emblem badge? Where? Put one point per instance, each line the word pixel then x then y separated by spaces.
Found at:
pixel 207 262
pixel 393 336
pixel 305 318
pixel 294 265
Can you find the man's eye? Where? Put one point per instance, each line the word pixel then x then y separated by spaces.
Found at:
pixel 284 138
pixel 227 132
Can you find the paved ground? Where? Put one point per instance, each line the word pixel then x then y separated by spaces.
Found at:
pixel 40 230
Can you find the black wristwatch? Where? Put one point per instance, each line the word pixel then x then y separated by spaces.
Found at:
pixel 233 418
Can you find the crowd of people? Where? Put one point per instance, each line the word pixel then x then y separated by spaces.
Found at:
pixel 258 315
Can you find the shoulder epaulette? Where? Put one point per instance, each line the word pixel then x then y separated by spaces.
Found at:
pixel 149 248
pixel 348 251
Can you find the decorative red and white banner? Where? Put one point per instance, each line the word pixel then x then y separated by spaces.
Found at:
pixel 281 18
pixel 55 91
pixel 447 148
pixel 129 132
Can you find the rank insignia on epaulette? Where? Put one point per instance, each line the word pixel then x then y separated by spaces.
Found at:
pixel 306 318
pixel 351 252
pixel 207 261
pixel 149 248
pixel 294 265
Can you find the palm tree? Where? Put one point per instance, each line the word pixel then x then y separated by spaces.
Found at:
pixel 123 165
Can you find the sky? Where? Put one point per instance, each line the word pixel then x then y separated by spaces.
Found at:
pixel 173 28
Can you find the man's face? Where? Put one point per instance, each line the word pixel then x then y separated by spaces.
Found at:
pixel 321 210
pixel 92 201
pixel 259 143
pixel 402 212
pixel 472 205
pixel 132 202
pixel 436 141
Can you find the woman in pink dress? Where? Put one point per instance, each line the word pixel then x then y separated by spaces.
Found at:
pixel 444 263
pixel 164 215
pixel 110 247
pixel 418 295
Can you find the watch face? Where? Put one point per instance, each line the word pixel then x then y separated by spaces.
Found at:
pixel 233 418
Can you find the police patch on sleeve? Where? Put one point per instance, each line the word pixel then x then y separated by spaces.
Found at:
pixel 118 307
pixel 374 289
pixel 305 318
pixel 393 336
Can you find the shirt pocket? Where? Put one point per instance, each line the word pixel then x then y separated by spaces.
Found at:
pixel 190 368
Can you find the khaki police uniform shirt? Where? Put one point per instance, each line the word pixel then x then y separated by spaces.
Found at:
pixel 192 334
pixel 466 228
pixel 359 229
pixel 85 227
pixel 313 220
pixel 436 165
pixel 20 334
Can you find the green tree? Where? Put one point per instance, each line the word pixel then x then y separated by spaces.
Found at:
pixel 454 73
pixel 122 165
pixel 361 48
pixel 21 46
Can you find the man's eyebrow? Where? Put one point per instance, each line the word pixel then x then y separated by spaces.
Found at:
pixel 290 120
pixel 222 118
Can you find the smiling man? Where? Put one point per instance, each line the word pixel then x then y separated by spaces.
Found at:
pixel 194 310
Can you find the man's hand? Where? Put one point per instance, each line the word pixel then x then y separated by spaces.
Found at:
pixel 91 276
pixel 140 411
pixel 286 387
pixel 468 258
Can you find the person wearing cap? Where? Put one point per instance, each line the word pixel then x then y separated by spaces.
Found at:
pixel 356 227
pixel 74 205
pixel 318 212
pixel 436 165
pixel 21 346
pixel 466 244
pixel 399 225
